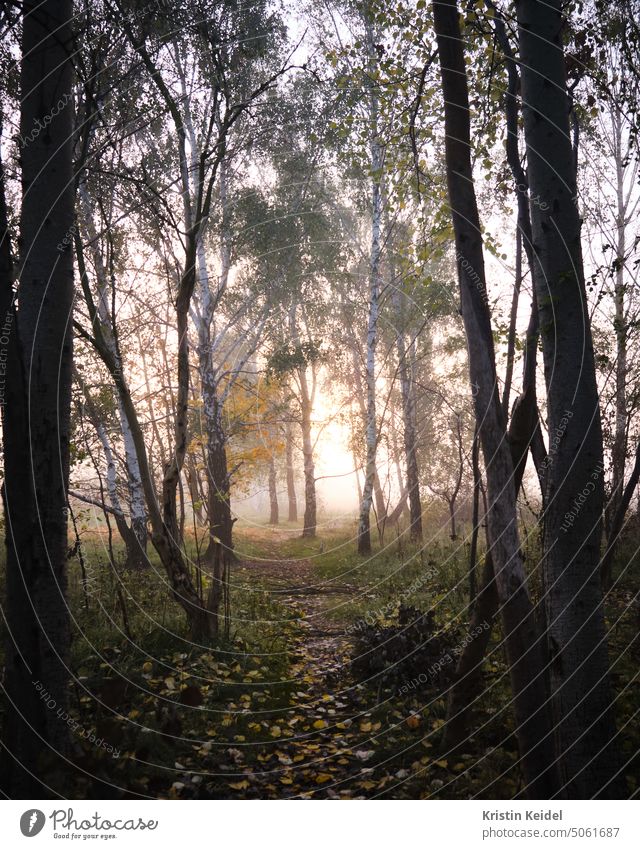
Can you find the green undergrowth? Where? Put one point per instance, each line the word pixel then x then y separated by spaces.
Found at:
pixel 268 712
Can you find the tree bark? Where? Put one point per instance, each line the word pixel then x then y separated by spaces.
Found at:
pixel 619 449
pixel 127 533
pixel 274 512
pixel 164 539
pixel 618 521
pixel 307 398
pixel 513 318
pixel 137 508
pixel 475 521
pixel 378 495
pixel 523 644
pixel 523 433
pixel 37 345
pixel 218 481
pixel 292 501
pixel 371 430
pixel 310 506
pixel 579 669
pixel 407 392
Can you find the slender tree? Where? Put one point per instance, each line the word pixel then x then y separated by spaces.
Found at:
pixel 375 257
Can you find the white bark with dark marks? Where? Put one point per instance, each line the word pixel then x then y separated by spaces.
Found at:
pixel 371 430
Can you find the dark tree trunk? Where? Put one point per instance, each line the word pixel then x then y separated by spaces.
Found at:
pixel 274 511
pixel 579 669
pixel 37 345
pixel 291 477
pixel 475 521
pixel 620 324
pixel 218 486
pixel 310 508
pixel 523 434
pixel 467 688
pixel 407 391
pixel 523 643
pixel 618 521
pixel 219 554
pixel 453 530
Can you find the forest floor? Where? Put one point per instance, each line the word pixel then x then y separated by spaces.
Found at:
pixel 330 738
pixel 295 705
pixel 315 694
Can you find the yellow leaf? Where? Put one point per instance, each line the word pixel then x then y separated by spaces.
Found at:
pixel 321 777
pixel 319 723
pixel 239 785
pixel 365 726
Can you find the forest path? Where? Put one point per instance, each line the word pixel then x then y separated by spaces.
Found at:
pixel 328 737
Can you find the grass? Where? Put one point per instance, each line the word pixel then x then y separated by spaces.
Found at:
pixel 156 698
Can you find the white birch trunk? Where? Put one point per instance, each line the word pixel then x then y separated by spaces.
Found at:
pixel 377 154
pixel 137 507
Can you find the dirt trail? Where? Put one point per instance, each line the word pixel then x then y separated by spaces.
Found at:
pixel 327 742
pixel 321 645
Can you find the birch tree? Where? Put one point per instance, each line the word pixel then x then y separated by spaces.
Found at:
pixel 376 150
